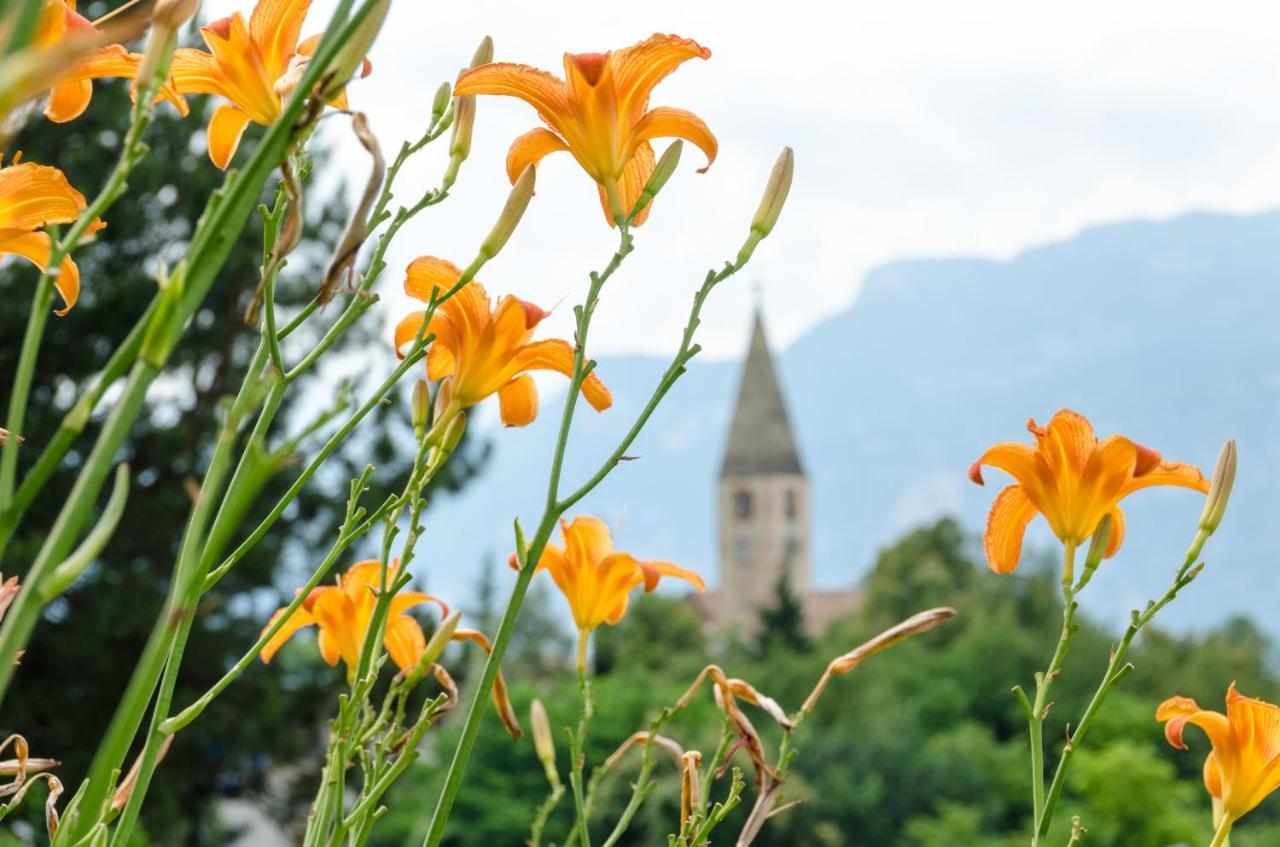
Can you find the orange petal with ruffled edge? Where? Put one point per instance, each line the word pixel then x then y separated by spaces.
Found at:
pixel 405 641
pixel 428 275
pixel 530 149
pixel 300 619
pixel 225 129
pixel 555 354
pixel 33 196
pixel 1170 473
pixel 518 401
pixel 68 100
pixel 1007 523
pixel 1066 442
pixel 276 26
pixel 639 68
pixel 37 247
pixel 665 122
pixel 1117 534
pixel 653 571
pixel 543 91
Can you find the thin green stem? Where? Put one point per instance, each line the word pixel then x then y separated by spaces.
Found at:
pixel 578 754
pixel 1117 670
pixel 22 379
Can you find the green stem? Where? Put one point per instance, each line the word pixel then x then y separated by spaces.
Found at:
pixel 1117 670
pixel 36 321
pixel 1044 682
pixel 21 618
pixel 578 753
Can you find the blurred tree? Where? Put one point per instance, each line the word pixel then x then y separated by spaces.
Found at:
pixel 83 651
pixel 782 624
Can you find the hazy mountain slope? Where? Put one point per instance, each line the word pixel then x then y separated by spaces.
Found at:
pixel 1166 331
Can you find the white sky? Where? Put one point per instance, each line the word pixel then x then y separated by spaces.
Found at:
pixel 919 129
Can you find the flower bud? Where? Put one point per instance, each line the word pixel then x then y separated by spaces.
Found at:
pixel 453 434
pixel 440 102
pixel 171 14
pixel 353 54
pixel 439 640
pixel 292 76
pixel 775 194
pixel 542 741
pixel 1224 477
pixel 662 172
pixel 464 108
pixel 420 407
pixel 512 212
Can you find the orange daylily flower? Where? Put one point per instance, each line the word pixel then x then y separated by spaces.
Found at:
pixel 1244 764
pixel 598 580
pixel 600 113
pixel 31 197
pixel 343 611
pixel 1074 480
pixel 245 62
pixel 480 350
pixel 72 87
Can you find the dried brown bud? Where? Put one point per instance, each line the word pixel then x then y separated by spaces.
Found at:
pixel 690 786
pixel 501 699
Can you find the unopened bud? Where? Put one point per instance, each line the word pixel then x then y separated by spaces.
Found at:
pixel 352 56
pixel 420 407
pixel 172 14
pixel 775 194
pixel 662 172
pixel 464 108
pixel 1224 477
pixel 453 434
pixel 512 212
pixel 1099 543
pixel 440 102
pixel 542 741
pixel 292 76
pixel 439 640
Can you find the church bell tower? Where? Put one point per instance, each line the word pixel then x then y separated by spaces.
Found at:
pixel 763 499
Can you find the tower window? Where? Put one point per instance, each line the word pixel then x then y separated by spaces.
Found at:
pixel 742 551
pixel 742 505
pixel 791 503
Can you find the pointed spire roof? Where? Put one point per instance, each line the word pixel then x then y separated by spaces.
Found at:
pixel 760 439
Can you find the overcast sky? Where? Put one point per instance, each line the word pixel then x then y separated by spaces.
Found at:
pixel 920 129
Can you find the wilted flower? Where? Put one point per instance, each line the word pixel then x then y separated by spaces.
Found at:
pixel 480 350
pixel 1073 479
pixel 245 62
pixel 600 113
pixel 598 580
pixel 343 611
pixel 728 692
pixel 31 197
pixel 71 86
pixel 1244 765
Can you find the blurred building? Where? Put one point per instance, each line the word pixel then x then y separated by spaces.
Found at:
pixel 763 508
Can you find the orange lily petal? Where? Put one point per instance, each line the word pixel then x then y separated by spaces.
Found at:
pixel 638 69
pixel 407 329
pixel 555 354
pixel 518 401
pixel 1066 442
pixel 68 100
pixel 1117 534
pixel 36 247
pixel 1171 473
pixel 225 129
pixel 1006 526
pixel 32 196
pixel 405 641
pixel 300 619
pixel 654 570
pixel 276 26
pixel 428 274
pixel 195 72
pixel 541 90
pixel 665 122
pixel 530 148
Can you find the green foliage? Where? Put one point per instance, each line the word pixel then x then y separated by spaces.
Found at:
pixel 782 624
pixel 73 675
pixel 922 746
